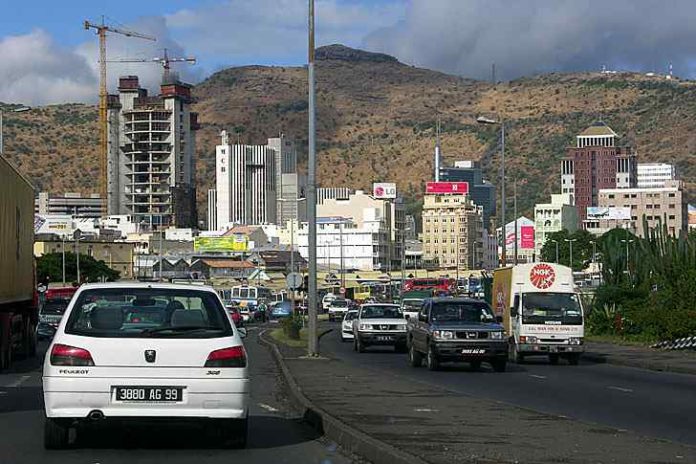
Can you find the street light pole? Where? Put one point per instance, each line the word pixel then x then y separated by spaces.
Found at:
pixel 515 209
pixel 570 241
pixel 77 256
pixel 501 121
pixel 313 342
pixel 556 242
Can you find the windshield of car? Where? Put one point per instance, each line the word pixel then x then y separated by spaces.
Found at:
pixel 148 312
pixel 381 312
pixel 412 304
pixel 55 306
pixel 460 311
pixel 339 303
pixel 350 315
pixel 551 309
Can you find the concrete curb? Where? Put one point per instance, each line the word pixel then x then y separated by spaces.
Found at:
pixel 347 437
pixel 637 363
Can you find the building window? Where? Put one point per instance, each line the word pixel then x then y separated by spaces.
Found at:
pixel 611 195
pixel 671 216
pixel 671 206
pixel 671 195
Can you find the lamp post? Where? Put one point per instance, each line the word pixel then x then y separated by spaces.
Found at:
pixel 501 121
pixel 292 243
pixel 312 339
pixel 62 239
pixel 556 242
pixel 627 241
pixel 570 241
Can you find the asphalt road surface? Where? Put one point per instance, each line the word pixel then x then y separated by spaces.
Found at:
pixel 656 404
pixel 275 434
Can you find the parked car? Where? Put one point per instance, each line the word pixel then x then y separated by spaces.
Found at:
pixel 338 308
pixel 347 325
pixel 457 330
pixel 281 310
pixel 177 352
pixel 379 324
pixel 50 315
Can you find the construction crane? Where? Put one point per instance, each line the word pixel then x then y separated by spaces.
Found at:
pixel 101 30
pixel 164 60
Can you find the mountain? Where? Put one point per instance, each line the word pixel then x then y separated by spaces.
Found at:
pixel 375 120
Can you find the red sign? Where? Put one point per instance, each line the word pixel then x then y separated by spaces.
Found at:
pixel 527 237
pixel 457 188
pixel 542 276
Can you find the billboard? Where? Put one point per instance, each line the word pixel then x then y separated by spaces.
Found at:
pixel 59 224
pixel 384 191
pixel 604 212
pixel 525 234
pixel 457 188
pixel 226 243
pixel 527 237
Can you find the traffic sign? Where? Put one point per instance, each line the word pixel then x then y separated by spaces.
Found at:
pixel 293 280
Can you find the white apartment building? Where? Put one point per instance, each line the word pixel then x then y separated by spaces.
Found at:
pixel 151 154
pixel 211 223
pixel 290 185
pixel 343 244
pixel 555 216
pixel 333 193
pixel 364 209
pixel 654 175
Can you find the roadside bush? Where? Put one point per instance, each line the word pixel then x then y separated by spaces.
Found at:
pixel 292 325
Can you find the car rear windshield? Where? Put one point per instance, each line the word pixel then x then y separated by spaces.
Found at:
pixel 55 305
pixel 381 312
pixel 148 312
pixel 456 311
pixel 339 303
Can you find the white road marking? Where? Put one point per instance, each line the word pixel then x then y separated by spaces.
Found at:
pixel 621 389
pixel 267 407
pixel 537 376
pixel 425 410
pixel 3 393
pixel 19 381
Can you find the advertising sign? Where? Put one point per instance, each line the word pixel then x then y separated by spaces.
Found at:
pixel 527 237
pixel 59 224
pixel 603 212
pixel 455 188
pixel 384 191
pixel 227 243
pixel 542 276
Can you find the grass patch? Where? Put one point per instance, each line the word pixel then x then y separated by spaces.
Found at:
pixel 615 339
pixel 279 336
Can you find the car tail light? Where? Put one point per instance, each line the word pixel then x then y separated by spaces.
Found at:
pixel 65 355
pixel 234 356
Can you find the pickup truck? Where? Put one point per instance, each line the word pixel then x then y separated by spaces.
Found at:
pixel 456 330
pixel 381 325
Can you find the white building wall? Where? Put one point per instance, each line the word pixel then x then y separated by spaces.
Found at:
pixel 212 207
pixel 552 217
pixel 654 175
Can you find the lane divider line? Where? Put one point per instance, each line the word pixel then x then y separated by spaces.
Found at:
pixel 621 389
pixel 538 376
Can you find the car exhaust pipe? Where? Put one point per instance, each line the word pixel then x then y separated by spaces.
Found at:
pixel 95 415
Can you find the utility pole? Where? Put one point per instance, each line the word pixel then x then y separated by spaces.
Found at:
pixel 77 256
pixel 502 190
pixel 570 241
pixel 159 255
pixel 313 342
pixel 515 208
pixel 63 240
pixel 343 269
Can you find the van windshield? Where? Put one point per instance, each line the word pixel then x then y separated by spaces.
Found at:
pixel 551 309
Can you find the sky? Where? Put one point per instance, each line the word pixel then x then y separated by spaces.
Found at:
pixel 47 57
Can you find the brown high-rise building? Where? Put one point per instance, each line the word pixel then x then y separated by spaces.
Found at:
pixel 596 163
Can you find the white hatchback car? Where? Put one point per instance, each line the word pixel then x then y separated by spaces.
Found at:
pixel 347 325
pixel 140 351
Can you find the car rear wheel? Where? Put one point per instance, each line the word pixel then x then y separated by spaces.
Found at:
pixel 431 360
pixel 415 359
pixel 475 365
pixel 56 434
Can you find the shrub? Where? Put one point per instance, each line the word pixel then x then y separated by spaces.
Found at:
pixel 292 325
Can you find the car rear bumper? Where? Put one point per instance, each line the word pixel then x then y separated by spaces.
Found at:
pixel 382 338
pixel 347 333
pixel 461 351
pixel 202 398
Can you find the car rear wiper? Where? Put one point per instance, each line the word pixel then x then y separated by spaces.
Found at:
pixel 178 329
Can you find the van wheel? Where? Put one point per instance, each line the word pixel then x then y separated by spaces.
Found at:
pixel 514 355
pixel 415 359
pixel 431 360
pixel 56 434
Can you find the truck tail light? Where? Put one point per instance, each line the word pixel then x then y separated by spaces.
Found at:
pixel 66 355
pixel 234 356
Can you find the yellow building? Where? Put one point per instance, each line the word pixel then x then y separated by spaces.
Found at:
pixel 452 231
pixel 117 255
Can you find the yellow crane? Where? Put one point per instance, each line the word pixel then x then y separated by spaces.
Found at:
pixel 101 30
pixel 164 60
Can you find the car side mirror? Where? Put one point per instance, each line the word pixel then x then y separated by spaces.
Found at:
pixel 242 332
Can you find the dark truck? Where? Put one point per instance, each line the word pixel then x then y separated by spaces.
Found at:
pixel 456 330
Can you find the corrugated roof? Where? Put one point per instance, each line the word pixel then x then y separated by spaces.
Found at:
pixel 247 230
pixel 227 264
pixel 598 129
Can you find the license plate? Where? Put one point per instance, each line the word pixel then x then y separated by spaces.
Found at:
pixel 149 394
pixel 384 338
pixel 473 351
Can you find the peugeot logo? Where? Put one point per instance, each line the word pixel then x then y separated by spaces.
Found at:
pixel 150 355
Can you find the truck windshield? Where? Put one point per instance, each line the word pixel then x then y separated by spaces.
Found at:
pixel 461 312
pixel 551 308
pixel 380 312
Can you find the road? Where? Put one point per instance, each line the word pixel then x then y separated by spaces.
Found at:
pixel 655 404
pixel 276 434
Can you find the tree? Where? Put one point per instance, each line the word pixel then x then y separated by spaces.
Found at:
pixel 582 248
pixel 51 265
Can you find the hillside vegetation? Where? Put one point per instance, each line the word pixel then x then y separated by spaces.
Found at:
pixel 375 120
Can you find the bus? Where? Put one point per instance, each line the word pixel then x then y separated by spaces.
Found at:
pixel 438 284
pixel 249 295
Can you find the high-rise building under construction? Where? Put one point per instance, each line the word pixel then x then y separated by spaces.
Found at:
pixel 151 153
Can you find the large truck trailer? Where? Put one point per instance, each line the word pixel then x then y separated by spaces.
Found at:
pixel 18 301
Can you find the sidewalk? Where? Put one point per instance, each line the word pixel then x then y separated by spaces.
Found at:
pixel 435 425
pixel 683 362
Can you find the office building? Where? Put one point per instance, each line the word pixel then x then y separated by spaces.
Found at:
pixel 151 153
pixel 212 210
pixel 555 216
pixel 525 241
pixel 453 231
pixel 73 204
pixel 654 175
pixel 628 208
pixel 481 191
pixel 290 185
pixel 333 193
pixel 595 163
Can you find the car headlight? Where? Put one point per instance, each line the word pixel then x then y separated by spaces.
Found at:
pixel 496 335
pixel 401 327
pixel 365 327
pixel 575 341
pixel 443 334
pixel 530 340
